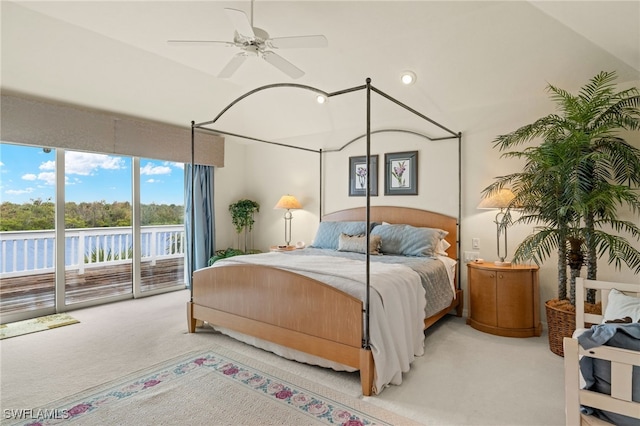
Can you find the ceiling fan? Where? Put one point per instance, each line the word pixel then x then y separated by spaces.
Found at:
pixel 254 41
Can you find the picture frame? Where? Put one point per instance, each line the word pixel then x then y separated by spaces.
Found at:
pixel 357 180
pixel 401 173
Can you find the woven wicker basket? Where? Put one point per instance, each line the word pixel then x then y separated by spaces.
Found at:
pixel 561 324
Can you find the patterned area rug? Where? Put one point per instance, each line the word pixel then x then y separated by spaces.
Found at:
pixel 34 325
pixel 218 387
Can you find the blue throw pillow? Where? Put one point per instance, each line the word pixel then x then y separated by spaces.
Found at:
pixel 407 240
pixel 328 233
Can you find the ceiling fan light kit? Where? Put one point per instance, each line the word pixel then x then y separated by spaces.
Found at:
pixel 256 42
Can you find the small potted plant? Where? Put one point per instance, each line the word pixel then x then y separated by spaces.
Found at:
pixel 242 217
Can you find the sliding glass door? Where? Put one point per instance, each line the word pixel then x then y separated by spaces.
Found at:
pixel 117 222
pixel 27 237
pixel 98 211
pixel 162 225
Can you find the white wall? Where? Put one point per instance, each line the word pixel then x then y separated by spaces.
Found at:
pixel 437 173
pixel 263 173
pixel 229 183
pixel 267 172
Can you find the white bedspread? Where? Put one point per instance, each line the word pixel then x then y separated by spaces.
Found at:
pixel 397 303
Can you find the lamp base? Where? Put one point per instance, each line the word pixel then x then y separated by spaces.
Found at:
pixel 501 263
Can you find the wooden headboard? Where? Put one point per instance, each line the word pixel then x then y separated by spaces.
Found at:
pixel 405 215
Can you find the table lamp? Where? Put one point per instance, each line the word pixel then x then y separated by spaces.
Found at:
pixel 499 200
pixel 288 202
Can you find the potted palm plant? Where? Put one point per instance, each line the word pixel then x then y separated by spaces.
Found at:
pixel 571 187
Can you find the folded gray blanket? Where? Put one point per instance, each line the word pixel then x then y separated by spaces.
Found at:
pixel 597 372
pixel 600 334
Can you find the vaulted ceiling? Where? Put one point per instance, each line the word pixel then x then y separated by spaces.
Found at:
pixel 473 59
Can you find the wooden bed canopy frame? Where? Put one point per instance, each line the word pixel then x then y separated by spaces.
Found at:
pixel 319 319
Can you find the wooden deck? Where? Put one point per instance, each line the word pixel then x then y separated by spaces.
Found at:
pixel 37 291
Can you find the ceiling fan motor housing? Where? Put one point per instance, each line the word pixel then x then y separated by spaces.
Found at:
pixel 252 45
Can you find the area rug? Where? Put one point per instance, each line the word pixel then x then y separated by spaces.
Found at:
pixel 34 325
pixel 215 387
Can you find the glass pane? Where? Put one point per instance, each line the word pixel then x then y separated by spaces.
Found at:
pixel 27 237
pixel 162 220
pixel 99 246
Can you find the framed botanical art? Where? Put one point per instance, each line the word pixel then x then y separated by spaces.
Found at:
pixel 358 175
pixel 401 173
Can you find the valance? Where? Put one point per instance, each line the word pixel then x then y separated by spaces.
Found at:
pixel 49 124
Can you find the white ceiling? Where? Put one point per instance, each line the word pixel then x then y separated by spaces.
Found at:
pixel 473 59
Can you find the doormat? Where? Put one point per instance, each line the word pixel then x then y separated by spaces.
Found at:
pixel 34 325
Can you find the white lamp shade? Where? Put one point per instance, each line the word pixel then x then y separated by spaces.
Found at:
pixel 288 202
pixel 499 200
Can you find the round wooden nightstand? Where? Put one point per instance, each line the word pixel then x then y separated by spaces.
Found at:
pixel 504 300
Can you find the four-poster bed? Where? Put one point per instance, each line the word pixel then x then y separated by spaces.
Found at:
pixel 295 310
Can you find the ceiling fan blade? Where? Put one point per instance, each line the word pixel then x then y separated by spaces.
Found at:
pixel 283 65
pixel 233 65
pixel 200 43
pixel 240 22
pixel 299 41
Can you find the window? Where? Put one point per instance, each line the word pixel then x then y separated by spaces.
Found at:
pixel 27 236
pixel 162 224
pixel 107 252
pixel 97 212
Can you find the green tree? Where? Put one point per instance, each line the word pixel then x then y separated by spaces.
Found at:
pixel 38 214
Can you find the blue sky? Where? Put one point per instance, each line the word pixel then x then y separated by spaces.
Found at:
pixel 28 173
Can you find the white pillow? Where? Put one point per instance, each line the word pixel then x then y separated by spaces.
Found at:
pixel 441 248
pixel 620 305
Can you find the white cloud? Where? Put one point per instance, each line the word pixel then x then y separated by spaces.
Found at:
pixel 151 169
pixel 19 191
pixel 48 165
pixel 85 164
pixel 49 178
pixel 29 176
pixel 174 164
pixel 73 181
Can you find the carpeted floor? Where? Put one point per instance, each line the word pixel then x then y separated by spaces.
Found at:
pixel 219 387
pixel 465 377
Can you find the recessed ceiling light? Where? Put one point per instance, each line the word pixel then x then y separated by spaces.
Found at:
pixel 408 77
pixel 321 99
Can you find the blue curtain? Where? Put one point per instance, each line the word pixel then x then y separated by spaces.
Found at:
pixel 203 222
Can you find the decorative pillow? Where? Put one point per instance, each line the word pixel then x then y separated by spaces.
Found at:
pixel 357 243
pixel 442 247
pixel 328 233
pixel 409 240
pixel 620 305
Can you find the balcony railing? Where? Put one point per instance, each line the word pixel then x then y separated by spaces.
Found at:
pixel 32 252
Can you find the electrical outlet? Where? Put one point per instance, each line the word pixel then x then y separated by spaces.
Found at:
pixel 470 256
pixel 475 243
